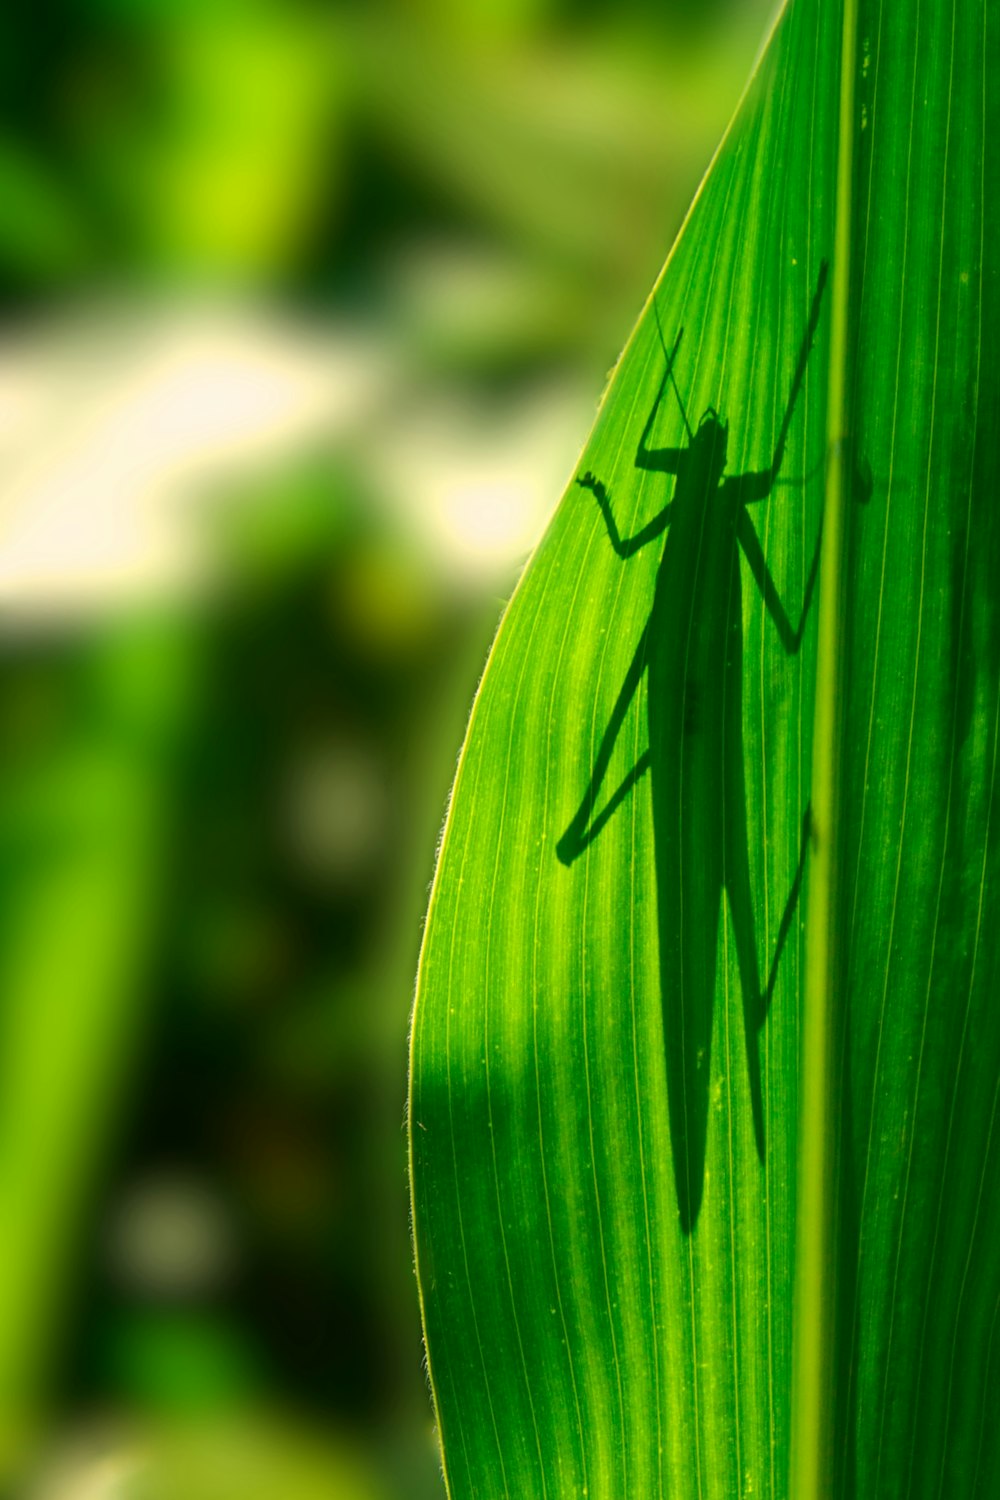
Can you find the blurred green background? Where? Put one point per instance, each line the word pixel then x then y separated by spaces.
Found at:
pixel 306 312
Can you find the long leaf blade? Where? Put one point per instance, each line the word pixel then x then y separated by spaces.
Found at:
pixel 604 1131
pixel 579 1338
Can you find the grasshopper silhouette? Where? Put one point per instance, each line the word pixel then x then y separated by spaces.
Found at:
pixel 692 652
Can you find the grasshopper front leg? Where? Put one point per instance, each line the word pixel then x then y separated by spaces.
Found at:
pixel 625 547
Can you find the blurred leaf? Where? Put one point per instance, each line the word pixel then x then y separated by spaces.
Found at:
pixel 42 231
pixel 577 156
pixel 252 1459
pixel 220 144
pixel 81 828
pixel 605 1090
pixel 179 1363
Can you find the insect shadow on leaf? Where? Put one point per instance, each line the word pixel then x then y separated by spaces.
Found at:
pixel 691 651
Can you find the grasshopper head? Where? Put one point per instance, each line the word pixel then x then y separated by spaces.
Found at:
pixel 711 440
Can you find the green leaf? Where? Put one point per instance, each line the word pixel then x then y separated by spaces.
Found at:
pixel 628 1044
pixel 86 741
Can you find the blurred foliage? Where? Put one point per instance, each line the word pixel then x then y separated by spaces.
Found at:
pixel 308 147
pixel 218 815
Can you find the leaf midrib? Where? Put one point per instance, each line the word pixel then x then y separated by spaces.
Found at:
pixel 814 1352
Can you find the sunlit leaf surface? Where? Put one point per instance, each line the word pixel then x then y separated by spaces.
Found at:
pixel 605 1111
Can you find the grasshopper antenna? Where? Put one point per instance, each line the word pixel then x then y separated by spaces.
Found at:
pixel 800 368
pixel 670 365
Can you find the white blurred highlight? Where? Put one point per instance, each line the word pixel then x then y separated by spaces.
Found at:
pixel 80 1474
pixel 111 425
pixel 480 489
pixel 171 1237
pixel 117 426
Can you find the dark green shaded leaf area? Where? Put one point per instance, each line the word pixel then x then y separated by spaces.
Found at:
pixel 605 1110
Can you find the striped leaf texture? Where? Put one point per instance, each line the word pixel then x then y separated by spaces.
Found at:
pixel 608 1107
